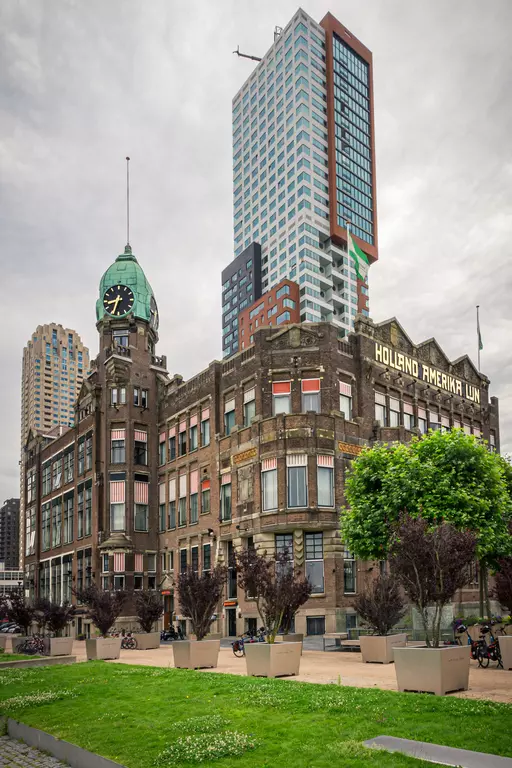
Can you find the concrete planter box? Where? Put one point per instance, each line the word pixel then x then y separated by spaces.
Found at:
pixel 103 648
pixel 147 640
pixel 58 646
pixel 432 670
pixel 378 649
pixel 195 654
pixel 209 636
pixel 293 637
pixel 273 660
pixel 506 650
pixel 7 640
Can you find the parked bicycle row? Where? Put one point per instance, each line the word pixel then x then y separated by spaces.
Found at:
pixel 484 649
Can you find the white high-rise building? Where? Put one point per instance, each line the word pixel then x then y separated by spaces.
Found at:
pixel 303 165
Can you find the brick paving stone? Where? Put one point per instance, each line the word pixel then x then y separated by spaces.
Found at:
pixel 15 754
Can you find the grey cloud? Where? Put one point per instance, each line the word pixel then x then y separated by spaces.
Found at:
pixel 82 84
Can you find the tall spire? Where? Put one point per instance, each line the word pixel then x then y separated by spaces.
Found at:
pixel 128 247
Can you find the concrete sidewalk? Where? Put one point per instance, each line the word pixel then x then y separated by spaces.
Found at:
pixel 330 667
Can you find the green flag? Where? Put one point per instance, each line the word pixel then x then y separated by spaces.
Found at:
pixel 480 342
pixel 360 259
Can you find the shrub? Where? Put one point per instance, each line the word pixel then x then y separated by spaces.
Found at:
pixel 42 608
pixel 381 605
pixel 503 583
pixel 431 563
pixel 103 608
pixel 199 594
pixel 148 607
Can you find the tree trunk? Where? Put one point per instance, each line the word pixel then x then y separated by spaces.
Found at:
pixel 486 594
pixel 481 570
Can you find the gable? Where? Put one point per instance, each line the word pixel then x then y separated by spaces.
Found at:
pixel 430 352
pixel 294 336
pixel 465 369
pixel 390 332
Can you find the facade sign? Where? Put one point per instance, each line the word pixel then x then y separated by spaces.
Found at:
pixel 244 456
pixel 409 365
pixel 352 450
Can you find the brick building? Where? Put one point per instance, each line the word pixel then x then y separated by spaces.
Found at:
pixel 278 306
pixel 158 473
pixel 10 534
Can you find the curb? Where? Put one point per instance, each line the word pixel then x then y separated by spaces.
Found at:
pixel 68 753
pixel 45 661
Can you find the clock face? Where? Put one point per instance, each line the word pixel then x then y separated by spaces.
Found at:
pixel 154 314
pixel 118 300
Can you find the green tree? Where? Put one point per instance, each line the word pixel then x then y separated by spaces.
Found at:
pixel 442 477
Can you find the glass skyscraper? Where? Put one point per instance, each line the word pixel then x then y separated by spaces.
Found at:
pixel 303 163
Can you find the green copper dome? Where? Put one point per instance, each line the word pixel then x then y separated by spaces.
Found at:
pixel 126 273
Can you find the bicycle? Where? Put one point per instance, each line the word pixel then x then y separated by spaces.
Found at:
pixel 248 637
pixel 489 651
pixel 475 644
pixel 128 642
pixel 32 646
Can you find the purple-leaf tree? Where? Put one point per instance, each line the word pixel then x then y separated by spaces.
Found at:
pixel 148 607
pixel 381 604
pixel 103 608
pixel 431 562
pixel 199 595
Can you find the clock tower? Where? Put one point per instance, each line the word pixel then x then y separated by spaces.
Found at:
pixel 130 381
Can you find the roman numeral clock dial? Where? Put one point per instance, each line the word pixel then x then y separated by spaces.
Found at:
pixel 118 300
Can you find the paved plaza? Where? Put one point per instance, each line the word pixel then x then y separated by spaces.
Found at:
pixel 340 667
pixel 15 754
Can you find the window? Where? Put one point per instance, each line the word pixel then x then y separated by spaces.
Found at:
pixel 269 484
pixel 136 396
pixel 182 439
pixel 311 395
pixel 88 452
pixel 281 397
pixel 434 420
pixel 205 496
pixel 122 338
pixel 408 415
pixel 68 518
pixel 105 563
pixel 225 497
pixel 194 495
pixel 229 416
pixel 422 420
pixel 172 502
pixel 349 572
pixel 194 559
pixel 57 473
pixel 80 511
pixel 141 499
pixel 69 465
pixel 284 546
pixel 45 525
pixel 207 557
pixel 284 317
pixel 297 480
pixel 81 456
pixel 138 581
pixel 117 501
pixel 118 450
pixel 205 426
pixel 325 481
pixel 56 522
pixel 346 400
pixel 88 509
pixel 162 512
pixel 140 453
pixel 47 479
pixel 315 625
pixel 231 563
pixel 118 583
pixel 161 449
pixel 182 504
pixel 192 435
pixel 380 409
pixel 445 423
pixel 144 398
pixel 314 552
pixel 249 406
pixel 284 291
pixel 172 443
pixel 394 412
pixel 183 560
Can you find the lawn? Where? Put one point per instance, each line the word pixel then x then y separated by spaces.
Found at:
pixel 132 714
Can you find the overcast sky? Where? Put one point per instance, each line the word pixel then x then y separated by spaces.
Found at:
pixel 85 82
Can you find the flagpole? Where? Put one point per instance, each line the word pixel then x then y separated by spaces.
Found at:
pixel 478 332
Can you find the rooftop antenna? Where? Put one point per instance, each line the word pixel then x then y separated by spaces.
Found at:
pixel 127 201
pixel 246 55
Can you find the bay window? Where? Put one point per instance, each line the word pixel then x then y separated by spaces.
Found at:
pixel 117 450
pixel 141 501
pixel 325 481
pixel 269 498
pixel 314 555
pixel 140 454
pixel 297 467
pixel 117 482
pixel 310 395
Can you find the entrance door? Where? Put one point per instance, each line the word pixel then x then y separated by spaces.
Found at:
pixel 231 617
